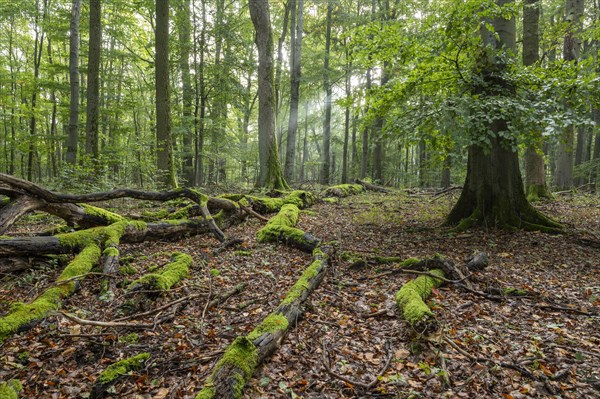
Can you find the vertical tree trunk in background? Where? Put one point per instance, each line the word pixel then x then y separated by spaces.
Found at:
pixel 53 169
pixel 295 72
pixel 304 144
pixel 446 169
pixel 280 42
pixel 200 102
pixel 325 160
pixel 72 138
pixel 164 142
pixel 185 43
pixel 535 172
pixel 37 60
pixel 422 163
pixel 377 136
pixel 348 88
pixel 564 163
pixel 596 153
pixel 93 81
pixel 270 172
pixel 493 193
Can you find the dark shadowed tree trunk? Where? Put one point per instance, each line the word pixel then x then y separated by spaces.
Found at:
pixel 493 193
pixel 93 79
pixel 270 172
pixel 295 65
pixel 164 143
pixel 325 157
pixel 71 153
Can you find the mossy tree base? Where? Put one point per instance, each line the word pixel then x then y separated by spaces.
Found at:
pixel 536 192
pixel 493 194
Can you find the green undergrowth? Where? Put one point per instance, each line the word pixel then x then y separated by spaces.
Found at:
pixel 10 389
pixel 410 298
pixel 177 269
pixel 122 367
pixel 22 314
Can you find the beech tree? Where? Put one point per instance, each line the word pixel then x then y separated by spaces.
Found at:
pixel 270 173
pixel 493 193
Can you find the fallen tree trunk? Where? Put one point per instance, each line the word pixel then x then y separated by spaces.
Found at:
pixel 372 187
pixel 168 276
pixel 134 232
pixel 281 228
pixel 411 300
pixel 241 358
pixel 343 190
pixel 22 316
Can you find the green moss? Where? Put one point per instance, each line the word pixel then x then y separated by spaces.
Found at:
pixel 303 282
pixel 409 262
pixel 106 235
pixel 242 355
pixel 10 389
pixel 112 252
pixel 122 367
pixel 170 275
pixel 127 270
pixel 109 216
pixel 410 298
pixel 331 200
pixel 23 314
pixel 511 291
pixel 271 324
pixel 344 190
pixel 282 226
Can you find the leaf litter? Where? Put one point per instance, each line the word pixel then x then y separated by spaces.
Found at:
pixel 540 345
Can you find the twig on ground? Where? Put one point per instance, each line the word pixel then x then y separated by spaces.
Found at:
pixel 360 384
pixel 97 323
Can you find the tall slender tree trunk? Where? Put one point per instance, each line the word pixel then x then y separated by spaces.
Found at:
pixel 270 172
pixel 165 164
pixel 535 172
pixel 72 138
pixel 200 102
pixel 325 160
pixel 493 193
pixel 348 87
pixel 93 82
pixel 185 44
pixel 295 73
pixel 564 164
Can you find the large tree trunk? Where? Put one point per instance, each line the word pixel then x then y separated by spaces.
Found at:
pixel 164 142
pixel 493 192
pixel 71 154
pixel 271 173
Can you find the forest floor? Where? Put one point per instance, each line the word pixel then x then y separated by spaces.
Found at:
pixel 558 347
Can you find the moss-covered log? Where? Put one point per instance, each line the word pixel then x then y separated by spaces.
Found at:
pixel 176 270
pixel 280 228
pixel 115 372
pixel 10 389
pixel 22 315
pixel 343 190
pixel 372 187
pixel 411 300
pixel 241 358
pixel 263 205
pixel 134 232
pixel 35 191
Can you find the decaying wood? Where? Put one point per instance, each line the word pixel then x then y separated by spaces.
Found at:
pixel 227 377
pixel 372 187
